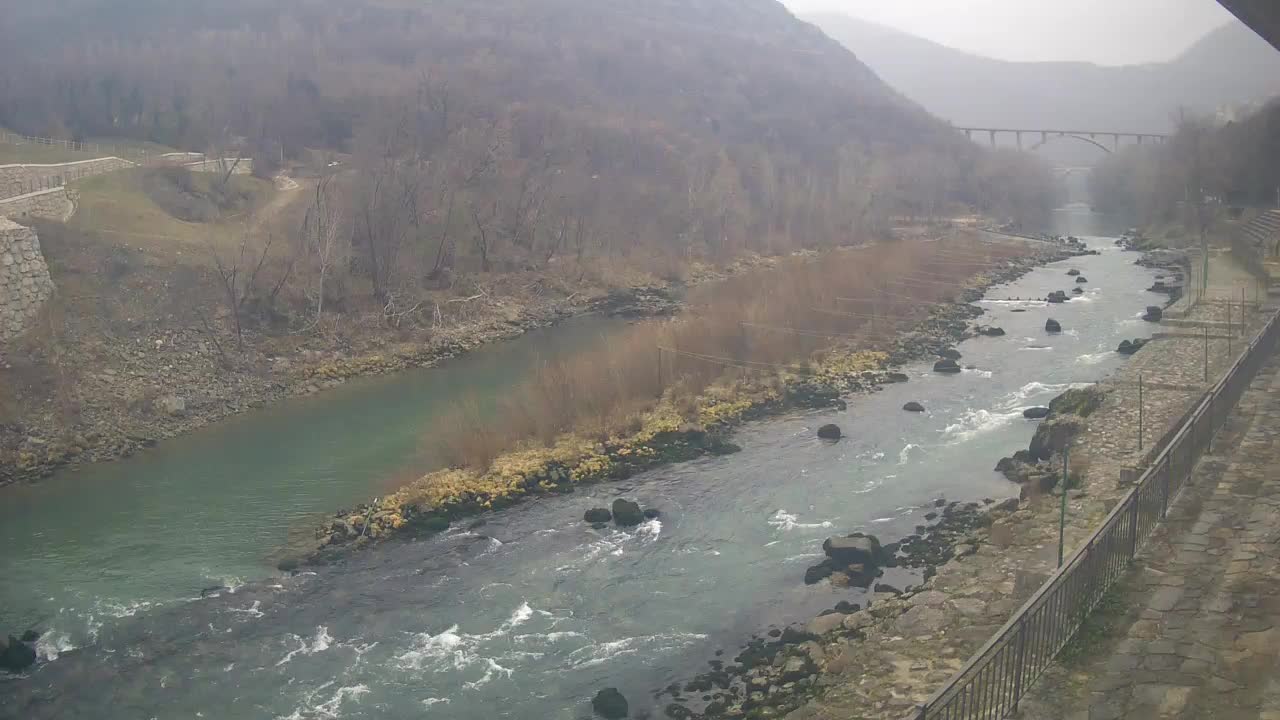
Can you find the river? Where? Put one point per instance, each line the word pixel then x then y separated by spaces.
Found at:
pixel 530 613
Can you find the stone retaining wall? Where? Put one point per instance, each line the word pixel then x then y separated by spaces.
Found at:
pixel 244 167
pixel 25 179
pixel 25 284
pixel 53 204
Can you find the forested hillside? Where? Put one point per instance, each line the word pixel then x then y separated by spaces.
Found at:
pixel 507 133
pixel 1232 164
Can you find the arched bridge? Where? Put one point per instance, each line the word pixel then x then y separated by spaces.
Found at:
pixel 1040 137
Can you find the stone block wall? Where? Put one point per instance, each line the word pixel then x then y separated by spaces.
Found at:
pixel 244 167
pixel 25 179
pixel 55 204
pixel 25 284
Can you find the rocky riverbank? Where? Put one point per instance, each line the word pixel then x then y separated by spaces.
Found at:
pixel 882 660
pixel 666 434
pixel 98 391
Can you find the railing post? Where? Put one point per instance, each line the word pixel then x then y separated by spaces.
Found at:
pixel 1164 494
pixel 1022 654
pixel 1133 523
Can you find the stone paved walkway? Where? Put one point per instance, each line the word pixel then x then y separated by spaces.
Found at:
pixel 1201 638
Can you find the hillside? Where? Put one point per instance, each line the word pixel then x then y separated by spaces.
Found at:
pixel 728 123
pixel 459 172
pixel 1229 65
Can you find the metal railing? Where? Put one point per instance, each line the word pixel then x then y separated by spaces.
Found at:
pixel 139 155
pixel 991 684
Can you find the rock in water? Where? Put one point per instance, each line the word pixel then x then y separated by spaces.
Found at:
pixel 946 366
pixel 1154 314
pixel 989 331
pixel 627 513
pixel 1077 401
pixel 1054 436
pixel 1077 291
pixel 1036 413
pixel 913 407
pixel 817 574
pixel 949 354
pixel 1073 272
pixel 16 656
pixel 860 549
pixel 830 432
pixel 652 514
pixel 1082 279
pixel 597 515
pixel 1128 347
pixel 1052 326
pixel 1057 297
pixel 30 636
pixel 609 703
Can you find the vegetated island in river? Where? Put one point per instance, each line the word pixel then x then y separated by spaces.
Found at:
pixel 799 335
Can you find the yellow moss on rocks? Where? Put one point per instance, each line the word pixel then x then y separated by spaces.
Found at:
pixel 849 363
pixel 663 432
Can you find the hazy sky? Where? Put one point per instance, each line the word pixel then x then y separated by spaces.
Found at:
pixel 1109 32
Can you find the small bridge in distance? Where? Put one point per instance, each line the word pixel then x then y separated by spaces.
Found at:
pixel 1044 136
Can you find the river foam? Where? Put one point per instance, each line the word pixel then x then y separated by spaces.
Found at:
pixel 978 422
pixel 785 521
pixel 320 642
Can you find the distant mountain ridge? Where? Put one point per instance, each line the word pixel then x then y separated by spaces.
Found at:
pixel 1230 65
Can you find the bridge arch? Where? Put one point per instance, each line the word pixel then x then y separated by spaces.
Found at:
pixel 1081 138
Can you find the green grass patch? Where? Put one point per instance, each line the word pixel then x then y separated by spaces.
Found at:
pixel 118 206
pixel 39 154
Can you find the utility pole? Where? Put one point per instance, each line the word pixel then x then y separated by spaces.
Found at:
pixel 1140 412
pixel 1062 516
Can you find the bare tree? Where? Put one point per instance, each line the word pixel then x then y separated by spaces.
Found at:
pixel 238 276
pixel 484 236
pixel 323 234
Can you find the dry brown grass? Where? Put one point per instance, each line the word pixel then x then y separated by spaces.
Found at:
pixel 749 326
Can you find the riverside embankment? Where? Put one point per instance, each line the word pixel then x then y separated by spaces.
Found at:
pixel 536 610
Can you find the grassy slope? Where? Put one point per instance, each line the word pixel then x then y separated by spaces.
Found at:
pixel 115 207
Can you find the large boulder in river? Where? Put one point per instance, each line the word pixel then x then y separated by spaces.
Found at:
pixel 913 406
pixel 1054 436
pixel 860 549
pixel 627 513
pixel 1073 272
pixel 1077 291
pixel 16 656
pixel 1036 413
pixel 1077 401
pixel 990 331
pixel 1082 279
pixel 609 703
pixel 597 515
pixel 949 354
pixel 1154 314
pixel 830 432
pixel 1052 326
pixel 1057 297
pixel 946 366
